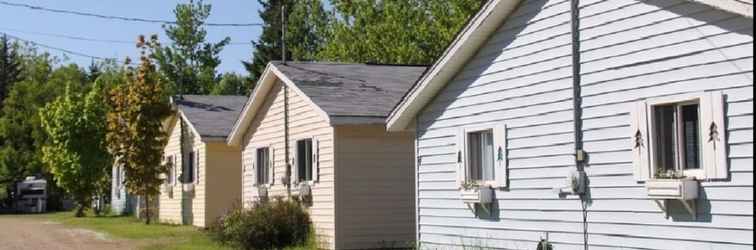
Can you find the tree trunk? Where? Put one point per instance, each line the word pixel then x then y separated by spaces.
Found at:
pixel 147 209
pixel 80 211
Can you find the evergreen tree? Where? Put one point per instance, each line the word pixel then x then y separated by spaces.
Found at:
pixel 10 67
pixel 306 26
pixel 189 64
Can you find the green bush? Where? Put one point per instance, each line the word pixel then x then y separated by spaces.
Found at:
pixel 272 224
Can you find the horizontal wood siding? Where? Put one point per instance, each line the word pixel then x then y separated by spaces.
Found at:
pixel 267 129
pixel 522 77
pixel 376 187
pixel 223 180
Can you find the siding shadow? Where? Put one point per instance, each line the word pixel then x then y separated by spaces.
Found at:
pixel 457 86
pixel 714 20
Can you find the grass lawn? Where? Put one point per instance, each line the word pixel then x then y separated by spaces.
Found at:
pixel 148 237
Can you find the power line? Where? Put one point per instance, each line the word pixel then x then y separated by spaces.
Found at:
pixel 130 19
pixel 88 39
pixel 67 51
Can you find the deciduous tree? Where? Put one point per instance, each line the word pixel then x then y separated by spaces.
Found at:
pixel 10 67
pixel 76 153
pixel 135 134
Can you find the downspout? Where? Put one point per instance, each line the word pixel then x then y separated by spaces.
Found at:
pixel 287 179
pixel 580 155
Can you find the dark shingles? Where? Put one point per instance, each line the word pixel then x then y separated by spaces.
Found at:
pixel 352 89
pixel 212 116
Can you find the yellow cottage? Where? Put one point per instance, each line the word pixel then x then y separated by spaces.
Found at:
pixel 204 181
pixel 317 131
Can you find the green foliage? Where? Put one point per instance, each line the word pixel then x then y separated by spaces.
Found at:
pixel 10 67
pixel 306 29
pixel 395 31
pixel 266 225
pixel 190 63
pixel 75 152
pixel 135 132
pixel 230 84
pixel 21 131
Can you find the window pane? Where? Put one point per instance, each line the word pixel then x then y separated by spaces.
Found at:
pixel 690 135
pixel 474 156
pixel 304 160
pixel 665 141
pixel 481 156
pixel 263 163
pixel 487 156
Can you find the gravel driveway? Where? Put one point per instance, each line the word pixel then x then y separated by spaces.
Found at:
pixel 25 232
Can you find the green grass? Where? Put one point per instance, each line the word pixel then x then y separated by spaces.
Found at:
pixel 148 237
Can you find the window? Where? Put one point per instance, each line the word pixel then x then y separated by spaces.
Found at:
pixel 304 160
pixel 677 142
pixel 187 170
pixel 197 167
pixel 482 156
pixel 263 165
pixel 171 171
pixel 683 134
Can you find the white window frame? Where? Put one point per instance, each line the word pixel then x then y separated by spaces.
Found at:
pixel 499 133
pixel 270 164
pixel 314 165
pixel 713 155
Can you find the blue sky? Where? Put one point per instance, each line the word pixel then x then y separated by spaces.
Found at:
pixel 20 21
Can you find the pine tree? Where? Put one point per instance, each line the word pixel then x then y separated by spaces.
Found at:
pixel 306 26
pixel 10 67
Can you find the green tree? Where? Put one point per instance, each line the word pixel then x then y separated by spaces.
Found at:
pixel 10 67
pixel 189 63
pixel 230 84
pixel 135 132
pixel 395 31
pixel 76 153
pixel 307 24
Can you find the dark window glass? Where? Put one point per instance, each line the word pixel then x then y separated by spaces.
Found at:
pixel 263 166
pixel 304 160
pixel 691 136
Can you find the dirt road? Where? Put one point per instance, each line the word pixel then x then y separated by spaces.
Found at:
pixel 26 232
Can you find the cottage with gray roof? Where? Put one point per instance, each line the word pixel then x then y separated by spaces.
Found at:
pixel 317 131
pixel 203 181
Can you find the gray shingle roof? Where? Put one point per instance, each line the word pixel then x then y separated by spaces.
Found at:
pixel 211 116
pixel 352 90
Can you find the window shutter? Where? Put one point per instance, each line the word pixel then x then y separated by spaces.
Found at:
pixel 500 155
pixel 294 164
pixel 254 167
pixel 197 166
pixel 640 141
pixel 272 165
pixel 460 158
pixel 714 136
pixel 315 160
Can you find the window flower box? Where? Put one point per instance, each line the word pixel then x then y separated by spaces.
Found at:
pixel 684 190
pixel 479 195
pixel 672 189
pixel 189 187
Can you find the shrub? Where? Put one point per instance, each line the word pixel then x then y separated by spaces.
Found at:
pixel 266 225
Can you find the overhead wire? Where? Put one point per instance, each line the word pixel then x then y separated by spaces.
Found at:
pixel 66 51
pixel 121 18
pixel 89 39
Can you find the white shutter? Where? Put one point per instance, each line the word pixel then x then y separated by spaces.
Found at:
pixel 254 166
pixel 294 164
pixel 460 157
pixel 640 141
pixel 500 155
pixel 315 160
pixel 714 136
pixel 272 165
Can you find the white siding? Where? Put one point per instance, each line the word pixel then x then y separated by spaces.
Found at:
pixel 630 50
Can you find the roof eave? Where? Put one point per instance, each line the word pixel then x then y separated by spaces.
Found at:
pixel 464 47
